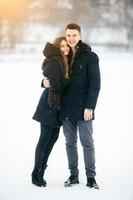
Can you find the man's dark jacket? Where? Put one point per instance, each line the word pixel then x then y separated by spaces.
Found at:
pixel 83 89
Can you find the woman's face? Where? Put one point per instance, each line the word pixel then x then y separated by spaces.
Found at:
pixel 64 47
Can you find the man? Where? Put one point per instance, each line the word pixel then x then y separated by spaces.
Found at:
pixel 78 105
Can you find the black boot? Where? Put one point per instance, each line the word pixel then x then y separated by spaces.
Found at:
pixel 34 175
pixel 91 183
pixel 37 178
pixel 73 179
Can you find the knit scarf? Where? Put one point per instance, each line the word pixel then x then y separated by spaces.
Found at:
pixel 54 97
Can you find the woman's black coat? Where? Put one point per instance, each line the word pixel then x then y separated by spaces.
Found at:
pixel 84 85
pixel 44 113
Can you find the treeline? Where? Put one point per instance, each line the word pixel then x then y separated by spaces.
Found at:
pixel 15 15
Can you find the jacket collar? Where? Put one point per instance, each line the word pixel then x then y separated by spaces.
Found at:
pixel 81 46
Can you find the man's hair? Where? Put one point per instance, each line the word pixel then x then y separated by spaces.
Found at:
pixel 73 26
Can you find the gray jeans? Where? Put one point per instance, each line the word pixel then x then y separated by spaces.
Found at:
pixel 85 133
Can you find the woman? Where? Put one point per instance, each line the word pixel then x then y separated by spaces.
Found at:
pixel 55 67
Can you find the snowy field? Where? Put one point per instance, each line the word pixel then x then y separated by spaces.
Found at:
pixel 20 78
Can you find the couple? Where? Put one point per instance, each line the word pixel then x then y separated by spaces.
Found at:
pixel 72 86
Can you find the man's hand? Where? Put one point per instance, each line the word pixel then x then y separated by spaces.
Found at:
pixel 46 82
pixel 88 114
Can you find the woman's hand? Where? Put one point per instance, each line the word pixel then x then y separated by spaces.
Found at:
pixel 46 82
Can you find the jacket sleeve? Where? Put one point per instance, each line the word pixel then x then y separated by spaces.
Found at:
pixel 53 72
pixel 93 74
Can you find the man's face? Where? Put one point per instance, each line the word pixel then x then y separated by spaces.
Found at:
pixel 72 36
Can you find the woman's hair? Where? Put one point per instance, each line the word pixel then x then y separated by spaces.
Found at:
pixel 54 97
pixel 57 41
pixel 57 44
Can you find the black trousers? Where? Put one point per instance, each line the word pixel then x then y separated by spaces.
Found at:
pixel 47 139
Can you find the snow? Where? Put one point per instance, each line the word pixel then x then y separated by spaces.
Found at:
pixel 37 32
pixel 20 90
pixel 35 35
pixel 108 35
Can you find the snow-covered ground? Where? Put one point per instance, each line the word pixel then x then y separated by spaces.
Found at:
pixel 20 89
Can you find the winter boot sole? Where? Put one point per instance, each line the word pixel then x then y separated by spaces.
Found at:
pixel 93 187
pixel 39 184
pixel 71 184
